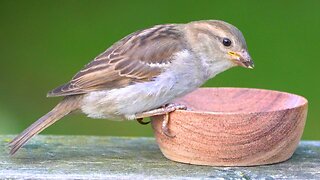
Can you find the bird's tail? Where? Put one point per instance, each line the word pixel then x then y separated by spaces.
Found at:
pixel 67 105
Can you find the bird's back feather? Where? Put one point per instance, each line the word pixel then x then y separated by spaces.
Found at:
pixel 139 57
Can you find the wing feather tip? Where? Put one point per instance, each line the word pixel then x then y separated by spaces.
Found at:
pixel 50 94
pixel 57 91
pixel 64 90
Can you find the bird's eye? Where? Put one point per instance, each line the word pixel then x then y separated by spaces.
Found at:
pixel 226 42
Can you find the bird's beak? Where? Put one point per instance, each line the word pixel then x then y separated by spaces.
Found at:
pixel 242 59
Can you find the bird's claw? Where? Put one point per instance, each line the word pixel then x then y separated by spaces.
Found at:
pixel 165 129
pixel 140 121
pixel 168 109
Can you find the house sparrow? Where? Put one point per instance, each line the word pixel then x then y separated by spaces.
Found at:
pixel 142 73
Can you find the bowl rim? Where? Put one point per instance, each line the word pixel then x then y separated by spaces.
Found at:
pixel 303 103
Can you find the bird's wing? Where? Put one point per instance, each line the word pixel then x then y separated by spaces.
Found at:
pixel 139 57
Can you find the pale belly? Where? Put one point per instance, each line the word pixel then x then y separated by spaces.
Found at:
pixel 124 103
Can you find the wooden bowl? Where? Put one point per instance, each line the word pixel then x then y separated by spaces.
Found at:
pixel 233 127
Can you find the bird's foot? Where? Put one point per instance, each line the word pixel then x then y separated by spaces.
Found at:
pixel 165 110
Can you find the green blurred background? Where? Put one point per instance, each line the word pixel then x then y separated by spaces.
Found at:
pixel 44 43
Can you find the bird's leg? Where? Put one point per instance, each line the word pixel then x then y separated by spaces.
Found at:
pixel 165 110
pixel 160 111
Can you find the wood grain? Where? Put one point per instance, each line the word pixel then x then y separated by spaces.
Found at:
pixel 234 127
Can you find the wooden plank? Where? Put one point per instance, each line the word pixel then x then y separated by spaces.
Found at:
pixel 92 157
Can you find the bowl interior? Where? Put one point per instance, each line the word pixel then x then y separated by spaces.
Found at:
pixel 240 100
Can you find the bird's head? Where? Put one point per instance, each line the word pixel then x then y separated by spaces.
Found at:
pixel 219 44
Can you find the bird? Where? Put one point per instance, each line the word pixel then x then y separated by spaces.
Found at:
pixel 140 75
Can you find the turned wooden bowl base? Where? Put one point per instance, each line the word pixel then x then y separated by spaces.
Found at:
pixel 233 127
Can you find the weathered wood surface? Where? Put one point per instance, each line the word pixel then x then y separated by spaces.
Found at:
pixel 87 157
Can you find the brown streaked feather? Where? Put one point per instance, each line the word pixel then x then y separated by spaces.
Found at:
pixel 135 58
